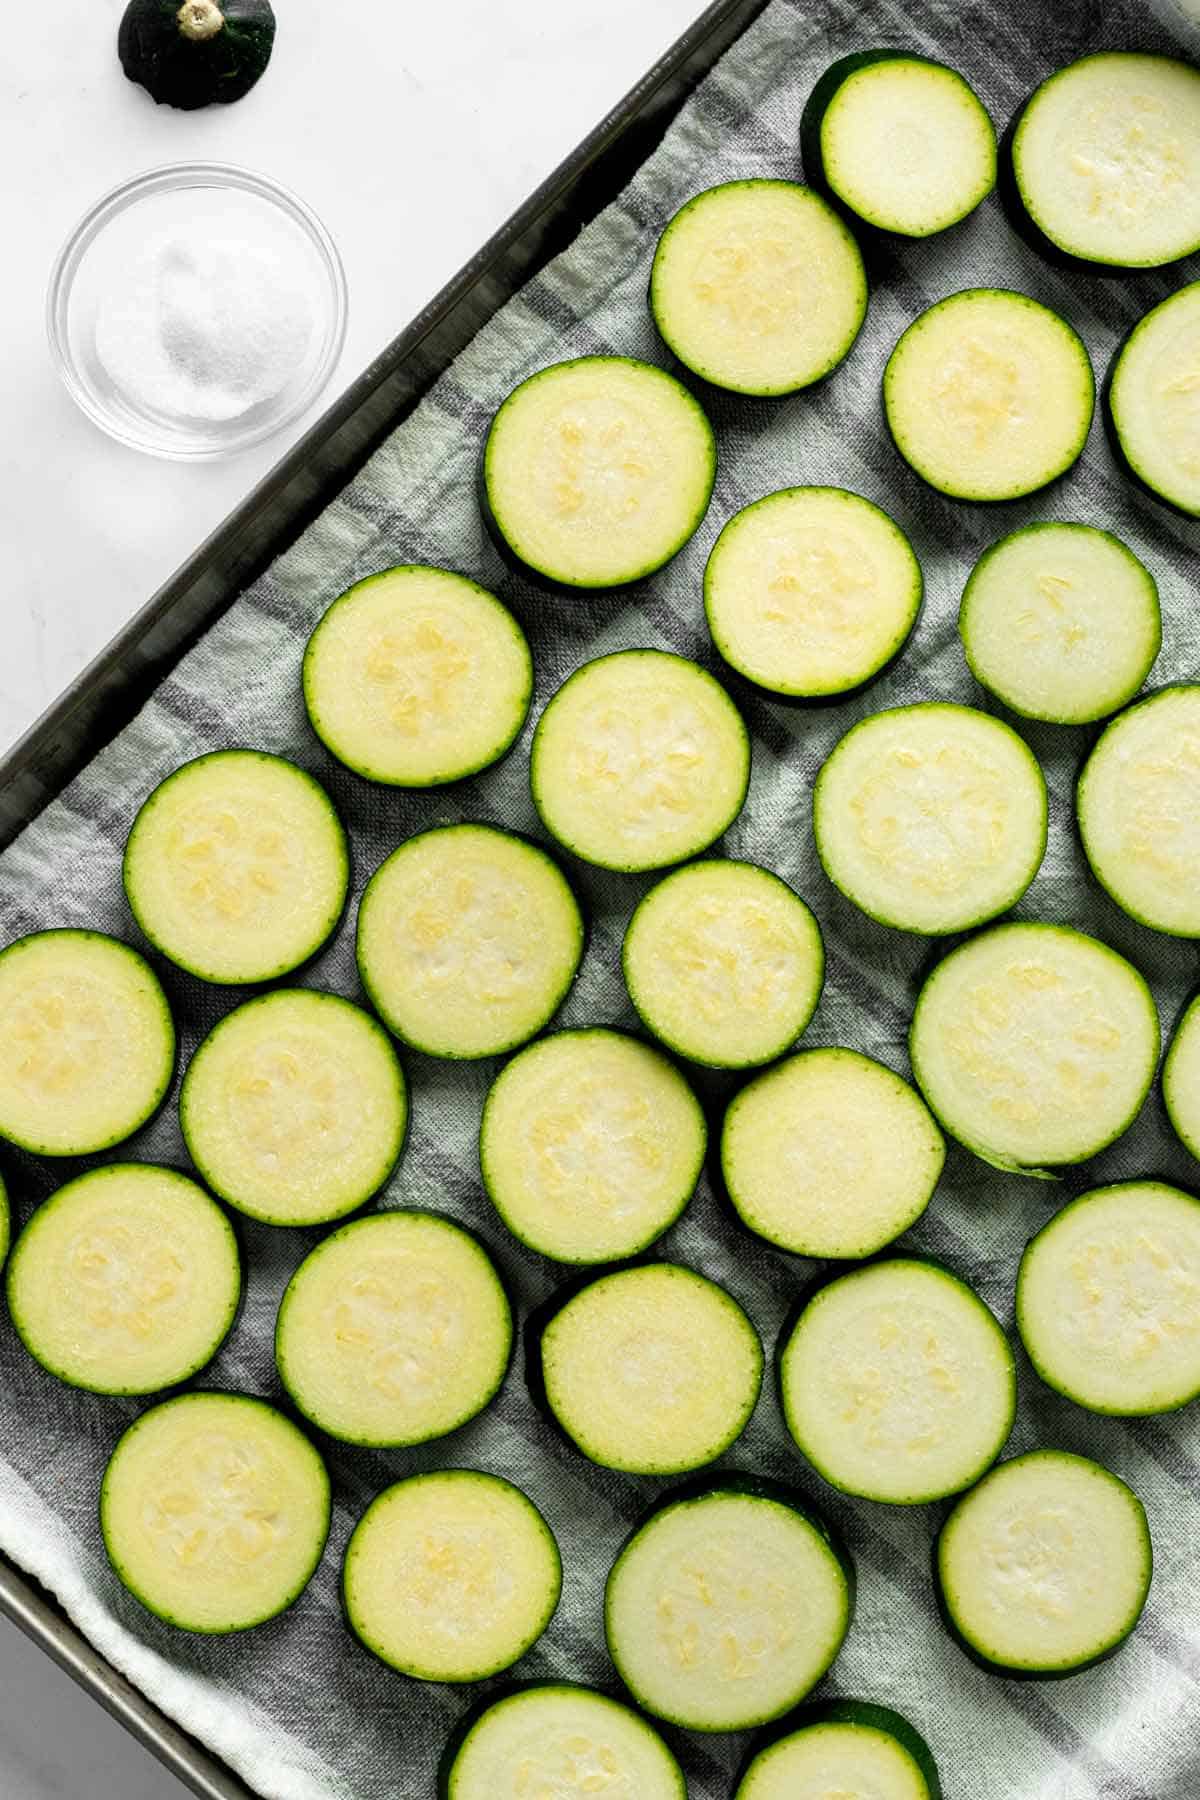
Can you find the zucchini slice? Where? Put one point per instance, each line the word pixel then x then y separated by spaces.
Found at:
pixel 654 1370
pixel 640 760
pixel 1044 1568
pixel 468 939
pixel 596 471
pixel 294 1107
pixel 866 1752
pixel 989 395
pixel 902 141
pixel 591 1145
pixel 758 287
pixel 125 1281
pixel 87 1042
pixel 931 818
pixel 1138 803
pixel 811 591
pixel 394 1330
pixel 1106 160
pixel 1060 622
pixel 556 1738
pixel 1181 1079
pixel 897 1383
pixel 1108 1299
pixel 1152 400
pixel 451 1576
pixel 830 1154
pixel 724 1609
pixel 724 963
pixel 416 677
pixel 1034 1044
pixel 237 867
pixel 215 1510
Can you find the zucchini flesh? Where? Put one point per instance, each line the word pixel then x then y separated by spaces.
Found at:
pixel 560 1739
pixel 758 287
pixel 1181 1079
pixel 931 818
pixel 451 1576
pixel 1034 1044
pixel 847 1747
pixel 1108 1299
pixel 1152 402
pixel 1044 1568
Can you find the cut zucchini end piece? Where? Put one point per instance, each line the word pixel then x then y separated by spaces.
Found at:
pixel 830 1154
pixel 597 471
pixel 1181 1080
pixel 591 1145
pixel 416 677
pixel 451 1576
pixel 898 1384
pixel 653 1370
pixel 1043 1569
pixel 87 1042
pixel 811 592
pixel 237 867
pixel 640 760
pixel 214 1511
pixel 1034 1045
pixel 859 1746
pixel 126 1281
pixel 1060 622
pixel 724 963
pixel 444 948
pixel 1108 1299
pixel 931 818
pixel 1152 401
pixel 989 395
pixel 555 1736
pixel 903 142
pixel 724 1609
pixel 758 287
pixel 394 1330
pixel 294 1108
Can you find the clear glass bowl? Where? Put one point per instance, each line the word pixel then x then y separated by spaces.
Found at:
pixel 99 261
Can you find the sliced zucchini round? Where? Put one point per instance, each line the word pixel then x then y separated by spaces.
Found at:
pixel 653 1370
pixel 758 286
pixel 1108 1299
pixel 416 677
pixel 294 1107
pixel 451 1576
pixel 214 1511
pixel 237 866
pixel 394 1330
pixel 1150 402
pixel 1060 622
pixel 811 591
pixel 725 1609
pixel 931 818
pixel 724 963
pixel 989 395
pixel 591 1145
pixel 558 1739
pixel 866 1752
pixel 1034 1044
pixel 125 1281
pixel 830 1154
pixel 468 939
pixel 1138 804
pixel 1106 159
pixel 639 760
pixel 901 141
pixel 1181 1079
pixel 87 1043
pixel 596 471
pixel 898 1384
pixel 1044 1568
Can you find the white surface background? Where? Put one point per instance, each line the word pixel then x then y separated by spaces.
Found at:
pixel 413 127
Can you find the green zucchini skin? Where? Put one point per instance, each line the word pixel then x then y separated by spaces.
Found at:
pixel 186 72
pixel 5 1223
pixel 1109 420
pixel 850 1712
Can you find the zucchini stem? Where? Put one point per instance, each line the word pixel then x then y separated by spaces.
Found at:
pixel 200 20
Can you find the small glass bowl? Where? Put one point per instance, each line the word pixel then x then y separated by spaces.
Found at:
pixel 106 243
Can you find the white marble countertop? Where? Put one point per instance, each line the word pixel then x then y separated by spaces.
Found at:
pixel 413 130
